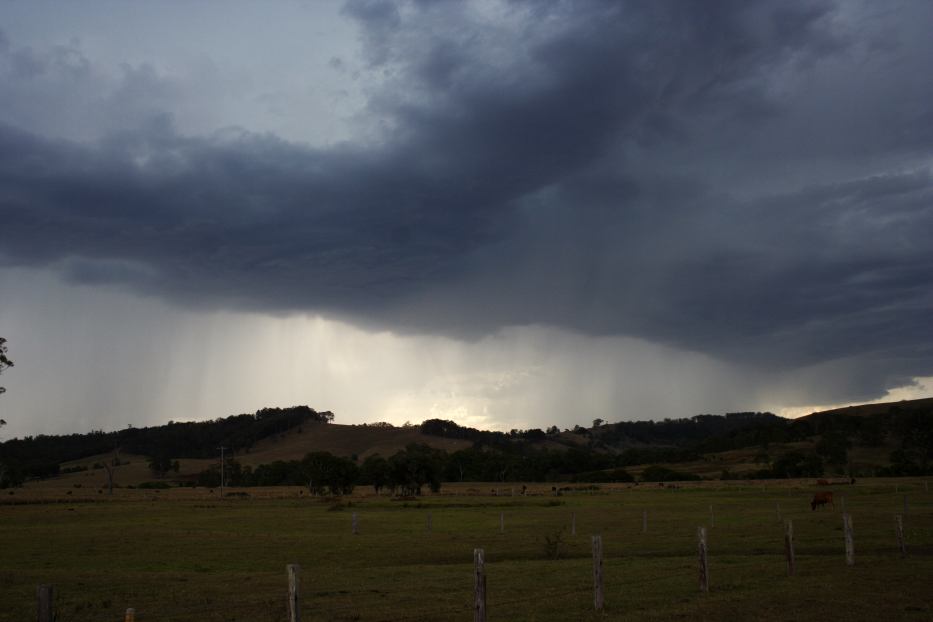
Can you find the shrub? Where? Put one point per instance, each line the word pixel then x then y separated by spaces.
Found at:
pixel 154 485
pixel 657 473
pixel 612 475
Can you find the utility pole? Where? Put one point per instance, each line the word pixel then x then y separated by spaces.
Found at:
pixel 221 448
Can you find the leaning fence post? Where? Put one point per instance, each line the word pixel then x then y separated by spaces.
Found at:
pixel 355 524
pixel 899 532
pixel 45 595
pixel 850 545
pixel 479 586
pixel 130 615
pixel 704 566
pixel 789 548
pixel 294 603
pixel 598 572
pixel 573 523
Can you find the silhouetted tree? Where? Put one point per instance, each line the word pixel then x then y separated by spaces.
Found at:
pixel 796 464
pixel 915 427
pixel 834 446
pixel 7 476
pixel 326 472
pixel 5 362
pixel 416 466
pixel 657 473
pixel 375 471
pixel 160 464
pixel 109 465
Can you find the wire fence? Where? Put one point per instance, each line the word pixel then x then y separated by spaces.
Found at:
pixel 274 608
pixel 676 563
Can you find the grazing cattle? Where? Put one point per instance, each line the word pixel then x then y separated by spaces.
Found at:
pixel 822 498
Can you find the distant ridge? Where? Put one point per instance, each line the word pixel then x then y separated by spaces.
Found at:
pixel 867 410
pixel 891 438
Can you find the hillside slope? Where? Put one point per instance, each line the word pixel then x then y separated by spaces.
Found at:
pixel 342 440
pixel 894 438
pixel 867 410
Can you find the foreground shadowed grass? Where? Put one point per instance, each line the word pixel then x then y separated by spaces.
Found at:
pixel 185 556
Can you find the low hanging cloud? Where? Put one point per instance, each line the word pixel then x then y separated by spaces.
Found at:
pixel 749 180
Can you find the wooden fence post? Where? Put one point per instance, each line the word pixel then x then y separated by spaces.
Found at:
pixel 355 524
pixel 294 598
pixel 704 566
pixel 899 532
pixel 513 491
pixel 501 522
pixel 598 572
pixel 789 548
pixel 45 595
pixel 130 615
pixel 850 544
pixel 479 586
pixel 712 520
pixel 644 521
pixel 573 524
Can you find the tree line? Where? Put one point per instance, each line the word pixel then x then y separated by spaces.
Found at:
pixel 409 471
pixel 600 453
pixel 406 472
pixel 40 456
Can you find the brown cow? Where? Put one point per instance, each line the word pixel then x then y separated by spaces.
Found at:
pixel 822 498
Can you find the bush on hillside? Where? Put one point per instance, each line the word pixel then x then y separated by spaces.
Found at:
pixel 657 473
pixel 612 475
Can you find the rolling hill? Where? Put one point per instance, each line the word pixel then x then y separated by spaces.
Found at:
pixel 867 410
pixel 872 437
pixel 343 440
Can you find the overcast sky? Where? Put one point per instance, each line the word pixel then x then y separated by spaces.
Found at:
pixel 510 214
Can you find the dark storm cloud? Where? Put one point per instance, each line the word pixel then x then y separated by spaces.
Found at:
pixel 742 179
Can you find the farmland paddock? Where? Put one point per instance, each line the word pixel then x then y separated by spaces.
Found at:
pixel 183 557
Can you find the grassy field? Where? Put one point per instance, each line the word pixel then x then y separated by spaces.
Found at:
pixel 184 555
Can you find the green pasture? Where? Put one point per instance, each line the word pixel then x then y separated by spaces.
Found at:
pixel 189 559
